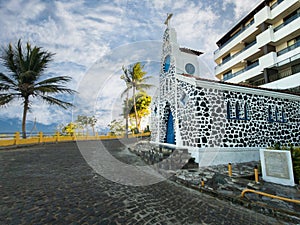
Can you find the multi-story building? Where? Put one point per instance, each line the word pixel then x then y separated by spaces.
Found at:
pixel 263 48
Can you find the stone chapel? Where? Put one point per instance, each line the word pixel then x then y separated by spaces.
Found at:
pixel 204 115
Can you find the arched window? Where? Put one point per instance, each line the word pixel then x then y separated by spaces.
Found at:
pixel 276 114
pixel 229 110
pixel 167 63
pixel 270 117
pixel 237 110
pixel 155 110
pixel 283 119
pixel 246 111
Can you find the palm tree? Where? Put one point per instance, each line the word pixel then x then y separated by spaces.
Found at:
pixel 26 67
pixel 135 79
pixel 92 122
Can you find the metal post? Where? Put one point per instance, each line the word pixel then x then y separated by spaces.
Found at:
pixel 40 137
pixel 229 169
pixel 17 138
pixel 256 174
pixel 202 182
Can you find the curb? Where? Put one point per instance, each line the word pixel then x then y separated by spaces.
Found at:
pixel 285 215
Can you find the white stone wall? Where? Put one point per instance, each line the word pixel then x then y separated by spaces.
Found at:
pixel 202 118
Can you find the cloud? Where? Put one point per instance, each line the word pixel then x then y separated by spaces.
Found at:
pixel 83 33
pixel 241 7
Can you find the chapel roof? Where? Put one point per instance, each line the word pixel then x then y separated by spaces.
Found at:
pixel 242 85
pixel 190 51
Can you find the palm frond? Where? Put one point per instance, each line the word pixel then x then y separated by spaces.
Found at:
pixel 54 101
pixel 125 91
pixel 5 80
pixel 7 59
pixel 60 79
pixel 6 98
pixel 51 88
pixel 141 87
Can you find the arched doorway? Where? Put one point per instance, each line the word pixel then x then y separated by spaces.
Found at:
pixel 170 135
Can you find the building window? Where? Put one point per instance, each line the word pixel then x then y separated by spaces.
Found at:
pixel 246 112
pixel 283 118
pixel 237 110
pixel 276 115
pixel 270 117
pixel 241 112
pixel 229 110
pixel 167 63
pixel 227 76
pixel 184 98
pixel 155 110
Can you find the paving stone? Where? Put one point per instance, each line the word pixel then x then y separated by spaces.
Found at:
pixel 56 179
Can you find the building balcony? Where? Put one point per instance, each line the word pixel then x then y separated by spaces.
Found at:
pixel 284 7
pixel 265 37
pixel 249 50
pixel 283 81
pixel 273 35
pixel 276 4
pixel 262 16
pixel 287 22
pixel 287 74
pixel 228 77
pixel 235 40
pixel 288 49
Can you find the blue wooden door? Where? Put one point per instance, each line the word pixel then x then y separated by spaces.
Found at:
pixel 170 129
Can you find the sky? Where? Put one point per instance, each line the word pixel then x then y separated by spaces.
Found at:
pixel 93 39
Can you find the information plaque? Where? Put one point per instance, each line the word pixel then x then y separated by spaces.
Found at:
pixel 277 166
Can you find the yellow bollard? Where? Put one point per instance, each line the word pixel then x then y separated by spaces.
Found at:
pixel 256 174
pixel 202 183
pixel 229 169
pixel 17 138
pixel 41 137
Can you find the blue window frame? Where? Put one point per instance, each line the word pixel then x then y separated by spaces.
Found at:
pixel 237 110
pixel 167 63
pixel 270 117
pixel 228 110
pixel 283 118
pixel 246 111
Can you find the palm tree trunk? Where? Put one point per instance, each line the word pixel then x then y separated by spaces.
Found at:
pixel 93 130
pixel 25 109
pixel 135 111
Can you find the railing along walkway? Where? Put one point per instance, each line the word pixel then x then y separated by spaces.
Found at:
pixel 57 137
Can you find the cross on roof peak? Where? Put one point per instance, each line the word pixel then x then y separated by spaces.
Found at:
pixel 169 16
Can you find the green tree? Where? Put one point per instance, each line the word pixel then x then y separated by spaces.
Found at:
pixel 82 122
pixel 26 67
pixel 70 129
pixel 85 121
pixel 92 122
pixel 135 80
pixel 143 101
pixel 116 127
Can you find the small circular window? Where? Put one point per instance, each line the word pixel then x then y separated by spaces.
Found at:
pixel 167 63
pixel 189 68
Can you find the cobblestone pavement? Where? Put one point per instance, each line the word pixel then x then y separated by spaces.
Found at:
pixel 52 184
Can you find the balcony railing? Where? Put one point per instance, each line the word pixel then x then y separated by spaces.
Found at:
pixel 290 48
pixel 287 22
pixel 235 35
pixel 236 54
pixel 293 70
pixel 231 75
pixel 276 4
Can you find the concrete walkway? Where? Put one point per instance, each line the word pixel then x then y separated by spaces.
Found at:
pixel 52 184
